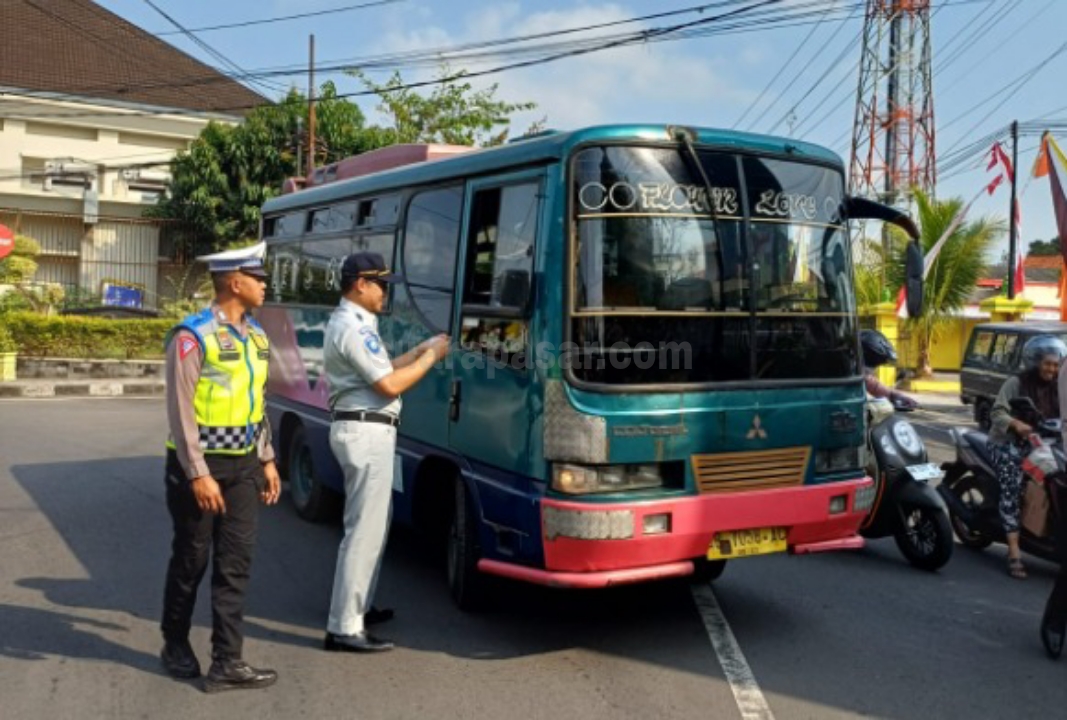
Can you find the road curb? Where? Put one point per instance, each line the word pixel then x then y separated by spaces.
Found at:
pixel 93 388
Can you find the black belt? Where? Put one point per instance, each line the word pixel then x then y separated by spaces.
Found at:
pixel 366 416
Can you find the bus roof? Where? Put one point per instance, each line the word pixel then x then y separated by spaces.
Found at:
pixel 541 148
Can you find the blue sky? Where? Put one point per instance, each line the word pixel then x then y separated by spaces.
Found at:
pixel 708 81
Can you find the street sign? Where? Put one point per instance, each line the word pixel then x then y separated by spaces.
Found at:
pixel 7 241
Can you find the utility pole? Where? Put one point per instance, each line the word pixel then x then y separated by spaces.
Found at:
pixel 1012 227
pixel 298 142
pixel 311 106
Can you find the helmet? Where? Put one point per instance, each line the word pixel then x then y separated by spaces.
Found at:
pixel 1040 347
pixel 877 350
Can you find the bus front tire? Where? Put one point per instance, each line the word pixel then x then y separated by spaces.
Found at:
pixel 705 571
pixel 465 582
pixel 310 497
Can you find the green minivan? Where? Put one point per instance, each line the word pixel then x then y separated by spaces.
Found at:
pixel 993 355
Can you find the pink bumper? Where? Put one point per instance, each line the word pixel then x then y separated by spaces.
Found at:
pixel 580 562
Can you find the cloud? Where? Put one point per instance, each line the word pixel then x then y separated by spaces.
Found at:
pixel 680 82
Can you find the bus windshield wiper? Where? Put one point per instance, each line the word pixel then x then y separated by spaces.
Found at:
pixel 685 137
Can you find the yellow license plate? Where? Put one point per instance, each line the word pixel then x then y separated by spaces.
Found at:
pixel 743 543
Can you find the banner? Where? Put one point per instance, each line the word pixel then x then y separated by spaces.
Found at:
pixel 7 241
pixel 1052 162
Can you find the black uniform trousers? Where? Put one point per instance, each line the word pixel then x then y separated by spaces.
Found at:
pixel 1056 607
pixel 232 538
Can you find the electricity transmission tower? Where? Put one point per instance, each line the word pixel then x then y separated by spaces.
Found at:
pixel 893 132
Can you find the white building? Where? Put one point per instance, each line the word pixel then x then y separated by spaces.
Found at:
pixel 92 108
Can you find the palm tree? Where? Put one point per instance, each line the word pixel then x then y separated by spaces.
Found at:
pixel 955 271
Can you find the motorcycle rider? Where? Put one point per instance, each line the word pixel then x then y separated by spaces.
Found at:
pixel 877 350
pixel 1041 358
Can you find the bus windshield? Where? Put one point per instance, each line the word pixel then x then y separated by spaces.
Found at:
pixel 743 277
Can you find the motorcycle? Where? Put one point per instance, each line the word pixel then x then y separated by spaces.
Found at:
pixel 905 506
pixel 972 493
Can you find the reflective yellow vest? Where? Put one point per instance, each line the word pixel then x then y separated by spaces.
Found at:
pixel 229 393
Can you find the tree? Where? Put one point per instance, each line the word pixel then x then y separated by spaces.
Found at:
pixel 18 269
pixel 20 266
pixel 219 184
pixel 453 113
pixel 955 271
pixel 1045 248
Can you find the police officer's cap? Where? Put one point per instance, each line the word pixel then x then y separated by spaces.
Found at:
pixel 369 266
pixel 247 260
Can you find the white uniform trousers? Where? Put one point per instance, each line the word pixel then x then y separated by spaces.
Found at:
pixel 365 453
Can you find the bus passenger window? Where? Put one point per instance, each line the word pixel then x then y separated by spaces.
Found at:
pixel 497 290
pixel 500 246
pixel 428 254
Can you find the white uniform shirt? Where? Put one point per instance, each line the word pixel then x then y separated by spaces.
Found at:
pixel 355 358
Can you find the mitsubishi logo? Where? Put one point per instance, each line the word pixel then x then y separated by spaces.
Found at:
pixel 757 430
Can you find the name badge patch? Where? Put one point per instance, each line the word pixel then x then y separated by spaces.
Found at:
pixel 225 340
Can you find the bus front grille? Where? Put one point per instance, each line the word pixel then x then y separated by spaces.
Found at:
pixel 760 469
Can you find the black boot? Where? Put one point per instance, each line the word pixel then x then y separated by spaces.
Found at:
pixel 179 660
pixel 1052 632
pixel 235 674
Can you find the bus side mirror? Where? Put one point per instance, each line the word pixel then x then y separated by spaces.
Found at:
pixel 913 279
pixel 863 209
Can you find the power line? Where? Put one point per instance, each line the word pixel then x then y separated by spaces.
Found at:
pixel 207 48
pixel 429 55
pixel 756 15
pixel 629 39
pixel 834 63
pixel 282 18
pixel 1019 83
pixel 796 51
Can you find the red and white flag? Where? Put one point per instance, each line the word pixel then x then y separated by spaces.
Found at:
pixel 1000 163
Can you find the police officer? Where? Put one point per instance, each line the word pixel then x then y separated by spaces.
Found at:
pixel 1054 619
pixel 365 388
pixel 219 465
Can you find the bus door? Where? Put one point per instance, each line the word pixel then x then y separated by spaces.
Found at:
pixel 490 403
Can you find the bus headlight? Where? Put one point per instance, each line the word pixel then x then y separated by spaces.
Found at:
pixel 848 458
pixel 585 479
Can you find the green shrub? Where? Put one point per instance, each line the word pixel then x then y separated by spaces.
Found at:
pixel 87 337
pixel 14 301
pixel 7 342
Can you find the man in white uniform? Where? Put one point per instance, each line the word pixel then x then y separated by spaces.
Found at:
pixel 365 388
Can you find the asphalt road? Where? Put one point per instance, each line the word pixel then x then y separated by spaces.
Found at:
pixel 83 542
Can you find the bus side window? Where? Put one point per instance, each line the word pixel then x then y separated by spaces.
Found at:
pixel 428 254
pixel 497 290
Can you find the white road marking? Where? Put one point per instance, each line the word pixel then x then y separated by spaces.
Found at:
pixel 749 698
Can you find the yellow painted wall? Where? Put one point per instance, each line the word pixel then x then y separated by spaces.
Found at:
pixel 946 352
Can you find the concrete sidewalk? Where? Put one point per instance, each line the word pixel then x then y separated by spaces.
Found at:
pixel 114 387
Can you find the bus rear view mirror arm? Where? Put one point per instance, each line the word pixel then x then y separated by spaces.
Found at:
pixel 864 209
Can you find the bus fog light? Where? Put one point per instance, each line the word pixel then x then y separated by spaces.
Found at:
pixel 658 524
pixel 838 504
pixel 587 524
pixel 864 498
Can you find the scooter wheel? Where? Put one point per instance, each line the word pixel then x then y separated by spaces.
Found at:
pixel 969 489
pixel 925 537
